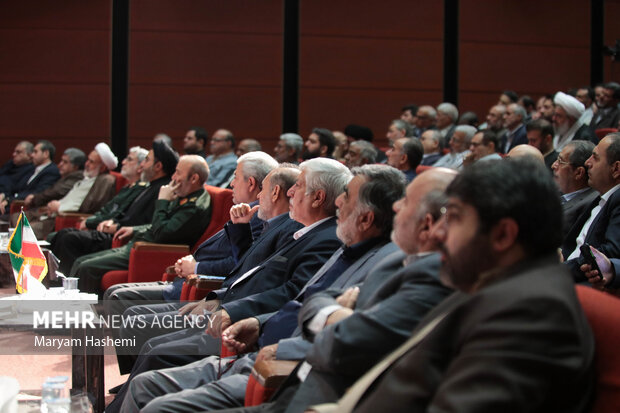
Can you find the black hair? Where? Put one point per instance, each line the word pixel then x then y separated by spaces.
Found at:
pixel 326 138
pixel 49 147
pixel 520 189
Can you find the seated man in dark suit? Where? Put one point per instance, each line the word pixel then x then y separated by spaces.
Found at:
pixel 214 256
pixel 266 286
pixel 515 337
pixel 17 168
pixel 599 224
pixel 431 141
pixel 364 226
pixel 182 212
pixel 391 301
pixel 571 176
pixel 45 173
pixel 129 207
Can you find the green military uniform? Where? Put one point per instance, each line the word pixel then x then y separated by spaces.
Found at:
pixel 117 205
pixel 181 221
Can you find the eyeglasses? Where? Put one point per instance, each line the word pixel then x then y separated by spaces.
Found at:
pixel 561 161
pixel 218 139
pixel 475 144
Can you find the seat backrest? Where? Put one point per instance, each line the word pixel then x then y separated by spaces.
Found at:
pixel 603 313
pixel 421 168
pixel 221 202
pixel 120 180
pixel 601 133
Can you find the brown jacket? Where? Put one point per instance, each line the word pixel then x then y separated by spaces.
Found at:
pixel 58 190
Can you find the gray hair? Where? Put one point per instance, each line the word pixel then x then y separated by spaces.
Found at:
pixel 435 134
pixel 519 110
pixel 468 130
pixel 198 166
pixel 430 111
pixel 328 175
pixel 367 150
pixel 285 176
pixel 76 156
pixel 162 137
pixel 404 126
pixel 384 185
pixel 293 140
pixel 257 165
pixel 431 203
pixel 450 110
pixel 140 152
pixel 28 146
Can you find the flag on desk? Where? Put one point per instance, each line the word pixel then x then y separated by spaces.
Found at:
pixel 27 259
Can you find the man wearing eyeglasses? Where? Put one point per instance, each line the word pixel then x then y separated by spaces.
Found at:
pixel 222 161
pixel 483 147
pixel 571 176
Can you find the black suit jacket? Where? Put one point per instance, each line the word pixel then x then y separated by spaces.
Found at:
pixel 519 138
pixel 604 233
pixel 575 207
pixel 46 178
pixel 280 277
pixel 519 344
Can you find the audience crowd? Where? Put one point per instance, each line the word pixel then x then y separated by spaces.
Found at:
pixel 436 273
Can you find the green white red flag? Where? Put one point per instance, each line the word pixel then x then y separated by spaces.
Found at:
pixel 27 259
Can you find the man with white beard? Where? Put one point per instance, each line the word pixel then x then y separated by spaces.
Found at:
pixel 567 112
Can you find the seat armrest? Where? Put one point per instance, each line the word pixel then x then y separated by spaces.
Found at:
pixel 271 373
pixel 143 246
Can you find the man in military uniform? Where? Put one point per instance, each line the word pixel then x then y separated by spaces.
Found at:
pixel 182 212
pixel 134 205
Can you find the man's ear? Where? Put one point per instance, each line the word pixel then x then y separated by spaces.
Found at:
pixel 275 192
pixel 615 170
pixel 318 198
pixel 366 220
pixel 579 173
pixel 252 184
pixel 504 234
pixel 424 228
pixel 323 151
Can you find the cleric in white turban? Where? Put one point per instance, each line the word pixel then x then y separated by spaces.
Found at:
pixel 566 122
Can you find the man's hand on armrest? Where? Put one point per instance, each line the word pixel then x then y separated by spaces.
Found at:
pixel 242 335
pixel 267 353
pixel 185 266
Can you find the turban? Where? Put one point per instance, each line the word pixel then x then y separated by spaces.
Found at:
pixel 572 106
pixel 107 157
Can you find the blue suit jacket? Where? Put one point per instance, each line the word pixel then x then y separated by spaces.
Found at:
pixel 280 277
pixel 214 257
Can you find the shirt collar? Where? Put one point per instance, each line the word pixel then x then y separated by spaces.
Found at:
pixel 307 229
pixel 609 193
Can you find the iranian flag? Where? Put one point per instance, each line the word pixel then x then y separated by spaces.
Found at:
pixel 27 259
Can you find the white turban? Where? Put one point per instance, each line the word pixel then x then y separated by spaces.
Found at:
pixel 107 157
pixel 572 106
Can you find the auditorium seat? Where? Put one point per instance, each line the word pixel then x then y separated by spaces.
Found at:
pixel 603 313
pixel 148 260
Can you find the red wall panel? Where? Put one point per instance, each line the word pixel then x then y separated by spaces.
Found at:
pixel 524 46
pixel 362 63
pixel 54 82
pixel 210 64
